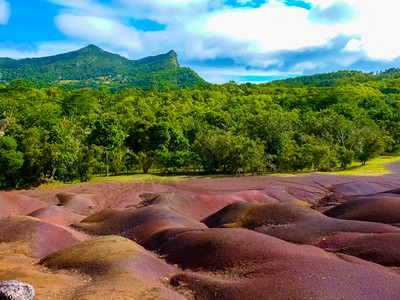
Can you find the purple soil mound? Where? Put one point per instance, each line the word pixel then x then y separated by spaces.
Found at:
pixel 57 215
pixel 197 207
pixel 220 249
pixel 14 205
pixel 102 255
pixel 378 208
pixel 395 192
pixel 290 222
pixel 201 206
pixel 241 264
pixel 359 188
pixel 253 216
pixel 119 269
pixel 383 249
pixel 41 238
pixel 77 203
pixel 137 225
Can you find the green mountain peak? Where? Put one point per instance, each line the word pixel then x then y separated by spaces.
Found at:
pixel 93 67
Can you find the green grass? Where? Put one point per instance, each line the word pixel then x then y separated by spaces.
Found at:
pixel 141 178
pixel 135 178
pixel 373 167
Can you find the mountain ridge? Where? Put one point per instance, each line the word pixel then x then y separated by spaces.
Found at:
pixel 94 67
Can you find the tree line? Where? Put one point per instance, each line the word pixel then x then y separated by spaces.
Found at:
pixel 68 135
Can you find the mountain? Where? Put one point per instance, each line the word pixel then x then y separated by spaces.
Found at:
pixel 93 67
pixel 337 78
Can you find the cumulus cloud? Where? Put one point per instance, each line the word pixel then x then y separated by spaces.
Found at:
pixel 374 23
pixel 338 12
pixel 99 30
pixel 271 27
pixel 42 49
pixel 5 12
pixel 272 36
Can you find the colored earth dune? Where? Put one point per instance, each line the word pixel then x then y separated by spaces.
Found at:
pixel 303 237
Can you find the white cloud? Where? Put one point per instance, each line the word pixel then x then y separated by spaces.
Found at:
pixel 257 37
pixel 5 12
pixel 271 27
pixel 376 25
pixel 41 49
pixel 353 45
pixel 275 27
pixel 100 31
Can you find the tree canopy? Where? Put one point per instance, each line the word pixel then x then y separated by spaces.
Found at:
pixel 56 132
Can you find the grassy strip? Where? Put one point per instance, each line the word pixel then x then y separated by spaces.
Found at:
pixel 141 178
pixel 373 167
pixel 134 178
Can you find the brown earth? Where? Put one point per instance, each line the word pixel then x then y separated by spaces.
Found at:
pixel 247 237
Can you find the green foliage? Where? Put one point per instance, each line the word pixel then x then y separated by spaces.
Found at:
pixel 159 141
pixel 72 135
pixel 363 157
pixel 345 157
pixel 11 162
pixel 108 133
pixel 220 150
pixel 95 68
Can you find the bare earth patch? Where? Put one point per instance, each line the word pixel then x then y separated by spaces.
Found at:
pixel 313 236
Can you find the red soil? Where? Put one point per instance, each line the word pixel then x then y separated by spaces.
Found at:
pixel 248 265
pixel 290 222
pixel 57 215
pixel 14 204
pixel 356 253
pixel 77 203
pixel 138 225
pixel 38 237
pixel 383 208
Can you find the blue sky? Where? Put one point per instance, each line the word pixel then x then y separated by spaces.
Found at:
pixel 241 40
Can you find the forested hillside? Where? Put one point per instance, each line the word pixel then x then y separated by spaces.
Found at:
pixel 96 68
pixel 67 134
pixel 338 78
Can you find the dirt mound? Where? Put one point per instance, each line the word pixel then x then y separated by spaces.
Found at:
pixel 218 249
pixel 57 215
pixel 197 207
pixel 38 238
pixel 359 188
pixel 48 285
pixel 200 262
pixel 77 203
pixel 395 192
pixel 14 204
pixel 201 206
pixel 253 216
pixel 383 249
pixel 378 208
pixel 290 222
pixel 241 264
pixel 139 224
pixel 120 269
pixel 304 188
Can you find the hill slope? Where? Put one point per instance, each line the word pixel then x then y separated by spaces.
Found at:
pixel 337 78
pixel 94 67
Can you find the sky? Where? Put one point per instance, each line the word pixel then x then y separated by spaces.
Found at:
pixel 222 40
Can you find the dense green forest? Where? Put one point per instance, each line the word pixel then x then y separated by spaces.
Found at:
pixel 55 132
pixel 95 68
pixel 338 78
